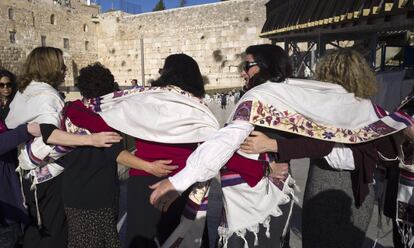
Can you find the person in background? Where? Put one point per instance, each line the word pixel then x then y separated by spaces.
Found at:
pixel 134 83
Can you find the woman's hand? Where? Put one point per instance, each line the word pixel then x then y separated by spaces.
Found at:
pixel 258 142
pixel 279 171
pixel 160 168
pixel 34 129
pixel 163 195
pixel 103 139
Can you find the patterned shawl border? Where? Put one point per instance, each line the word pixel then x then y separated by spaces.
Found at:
pixel 197 200
pixel 266 115
pixel 95 103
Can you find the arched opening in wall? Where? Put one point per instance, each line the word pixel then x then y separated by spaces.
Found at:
pixel 11 13
pixel 33 19
pixel 53 19
pixel 85 28
pixel 86 45
pixel 43 40
pixel 65 43
pixel 12 37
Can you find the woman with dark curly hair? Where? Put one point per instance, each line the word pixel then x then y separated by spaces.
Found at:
pixel 90 182
pixel 7 89
pixel 12 211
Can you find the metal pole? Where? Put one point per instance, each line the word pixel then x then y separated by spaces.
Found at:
pixel 142 62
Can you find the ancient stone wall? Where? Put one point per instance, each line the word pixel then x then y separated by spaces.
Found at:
pixel 215 35
pixel 30 20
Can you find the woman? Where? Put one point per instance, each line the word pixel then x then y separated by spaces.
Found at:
pixel 38 100
pixel 12 212
pixel 293 106
pixel 7 90
pixel 145 224
pixel 90 182
pixel 330 189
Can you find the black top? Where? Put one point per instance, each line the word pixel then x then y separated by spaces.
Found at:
pixel 90 178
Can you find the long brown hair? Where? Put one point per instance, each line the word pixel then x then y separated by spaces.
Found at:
pixel 43 64
pixel 349 69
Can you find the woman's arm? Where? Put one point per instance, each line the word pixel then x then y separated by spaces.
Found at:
pixel 207 160
pixel 158 168
pixel 11 139
pixel 52 135
pixel 287 149
pixel 203 164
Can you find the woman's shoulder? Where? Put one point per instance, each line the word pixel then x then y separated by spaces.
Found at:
pixel 39 90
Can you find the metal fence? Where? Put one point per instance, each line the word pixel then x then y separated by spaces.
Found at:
pixel 123 5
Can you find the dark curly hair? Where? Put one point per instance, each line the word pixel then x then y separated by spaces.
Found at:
pixel 274 63
pixel 95 80
pixel 182 71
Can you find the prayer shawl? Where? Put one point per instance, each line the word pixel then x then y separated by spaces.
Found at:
pixel 39 103
pixel 322 111
pixel 317 110
pixel 165 115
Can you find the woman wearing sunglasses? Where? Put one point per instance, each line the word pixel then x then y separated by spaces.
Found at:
pixel 7 89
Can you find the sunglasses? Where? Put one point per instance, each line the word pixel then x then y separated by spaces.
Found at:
pixel 247 65
pixel 3 85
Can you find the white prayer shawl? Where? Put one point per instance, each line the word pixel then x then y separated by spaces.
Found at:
pixel 286 107
pixel 166 115
pixel 39 103
pixel 299 106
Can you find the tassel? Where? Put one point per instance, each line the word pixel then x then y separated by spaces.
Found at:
pixel 285 229
pixel 411 238
pixel 246 245
pixel 21 187
pixel 256 239
pixel 226 241
pixel 39 219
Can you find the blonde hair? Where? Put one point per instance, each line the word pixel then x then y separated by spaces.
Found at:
pixel 43 64
pixel 350 70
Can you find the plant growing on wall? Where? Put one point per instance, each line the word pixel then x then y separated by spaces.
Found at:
pixel 183 3
pixel 217 55
pixel 160 6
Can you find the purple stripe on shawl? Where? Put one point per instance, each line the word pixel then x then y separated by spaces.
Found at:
pixel 190 210
pixel 32 157
pixel 399 117
pixel 232 182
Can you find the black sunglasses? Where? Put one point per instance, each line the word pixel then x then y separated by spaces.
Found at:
pixel 3 85
pixel 247 65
